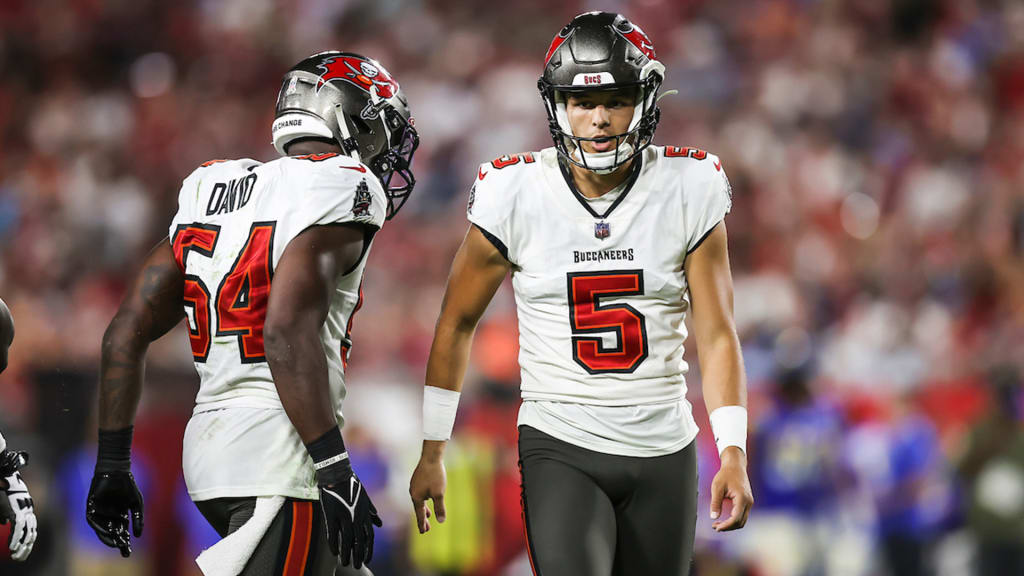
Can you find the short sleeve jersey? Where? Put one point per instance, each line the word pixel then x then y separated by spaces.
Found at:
pixel 601 296
pixel 235 220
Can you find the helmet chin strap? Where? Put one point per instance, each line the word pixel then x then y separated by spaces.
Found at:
pixel 346 136
pixel 604 162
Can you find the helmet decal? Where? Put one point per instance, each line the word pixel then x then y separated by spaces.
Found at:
pixel 562 36
pixel 365 75
pixel 637 38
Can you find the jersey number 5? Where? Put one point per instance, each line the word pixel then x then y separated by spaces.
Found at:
pixel 241 300
pixel 587 316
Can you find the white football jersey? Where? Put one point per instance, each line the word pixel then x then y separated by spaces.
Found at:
pixel 600 290
pixel 235 219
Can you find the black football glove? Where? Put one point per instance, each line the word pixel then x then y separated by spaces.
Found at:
pixel 349 514
pixel 114 499
pixel 11 461
pixel 350 517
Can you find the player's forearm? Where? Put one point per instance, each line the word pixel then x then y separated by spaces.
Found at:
pixel 721 366
pixel 149 310
pixel 477 272
pixel 446 368
pixel 725 391
pixel 122 366
pixel 297 362
pixel 449 353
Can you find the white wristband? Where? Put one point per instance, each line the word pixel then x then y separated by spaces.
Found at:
pixel 439 408
pixel 332 460
pixel 729 424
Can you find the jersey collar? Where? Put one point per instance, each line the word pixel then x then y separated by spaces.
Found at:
pixel 633 175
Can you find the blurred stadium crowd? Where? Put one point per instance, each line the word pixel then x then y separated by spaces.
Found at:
pixel 876 151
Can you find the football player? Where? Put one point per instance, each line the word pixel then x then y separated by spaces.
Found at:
pixel 610 241
pixel 264 261
pixel 16 504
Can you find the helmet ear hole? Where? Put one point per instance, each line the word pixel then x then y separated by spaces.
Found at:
pixel 361 126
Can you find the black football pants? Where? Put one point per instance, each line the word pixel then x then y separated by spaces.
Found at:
pixel 588 513
pixel 294 544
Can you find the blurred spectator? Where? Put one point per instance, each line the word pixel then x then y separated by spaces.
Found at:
pixel 897 461
pixel 992 468
pixel 796 474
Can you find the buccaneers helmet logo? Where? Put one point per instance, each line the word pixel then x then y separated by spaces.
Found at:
pixel 358 72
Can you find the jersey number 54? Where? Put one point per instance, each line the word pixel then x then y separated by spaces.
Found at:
pixel 240 305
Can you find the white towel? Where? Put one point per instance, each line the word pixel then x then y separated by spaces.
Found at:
pixel 229 556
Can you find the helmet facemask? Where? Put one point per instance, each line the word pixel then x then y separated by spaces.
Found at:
pixel 627 146
pixel 394 165
pixel 385 140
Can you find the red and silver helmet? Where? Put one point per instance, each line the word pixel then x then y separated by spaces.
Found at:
pixel 353 101
pixel 601 51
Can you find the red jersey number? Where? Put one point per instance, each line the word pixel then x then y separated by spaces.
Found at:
pixel 317 157
pixel 243 294
pixel 202 239
pixel 684 152
pixel 588 319
pixel 511 160
pixel 241 301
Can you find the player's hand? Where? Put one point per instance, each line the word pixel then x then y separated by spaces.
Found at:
pixel 428 482
pixel 113 501
pixel 10 462
pixel 20 511
pixel 731 483
pixel 350 518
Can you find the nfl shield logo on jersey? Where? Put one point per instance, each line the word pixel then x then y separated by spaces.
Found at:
pixel 601 230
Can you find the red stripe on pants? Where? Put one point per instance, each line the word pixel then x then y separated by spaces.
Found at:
pixel 298 545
